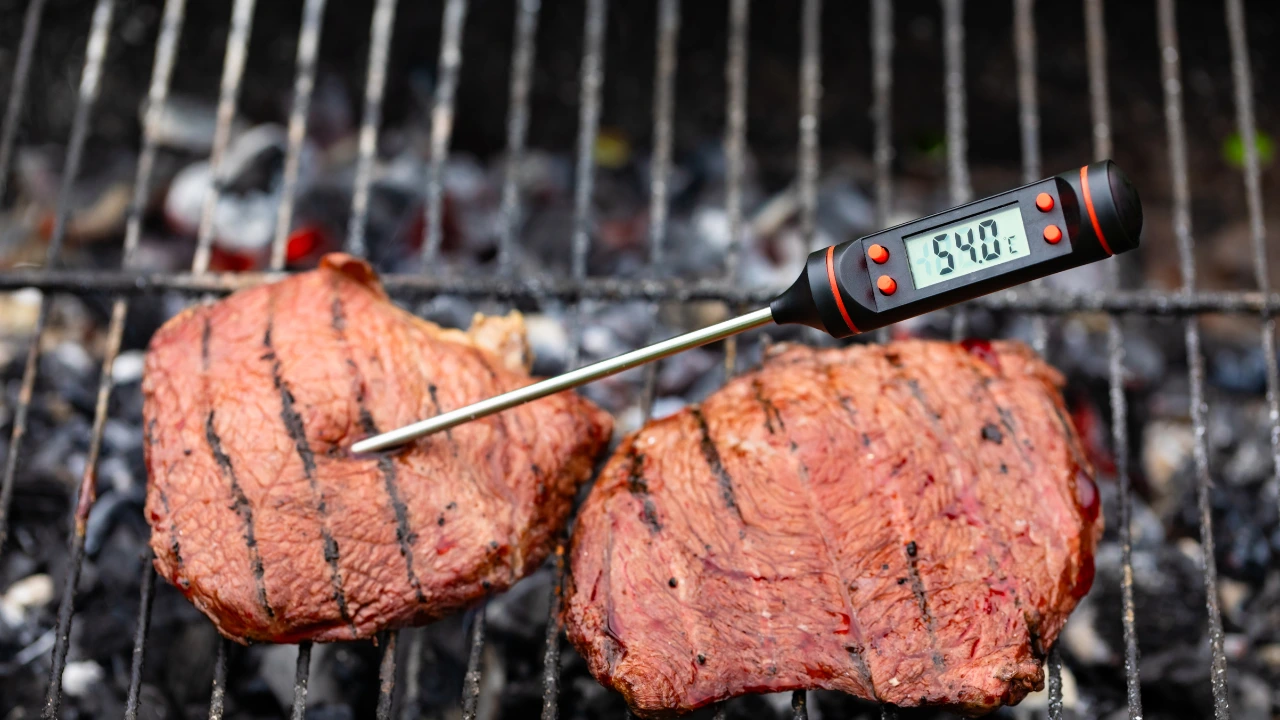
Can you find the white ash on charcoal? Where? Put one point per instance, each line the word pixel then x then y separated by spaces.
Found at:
pixel 1243 497
pixel 251 178
pixel 697 232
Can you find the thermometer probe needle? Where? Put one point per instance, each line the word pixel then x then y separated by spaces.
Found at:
pixel 567 381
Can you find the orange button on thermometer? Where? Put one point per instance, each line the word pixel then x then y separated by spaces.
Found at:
pixel 1044 202
pixel 1052 234
pixel 878 254
pixel 887 285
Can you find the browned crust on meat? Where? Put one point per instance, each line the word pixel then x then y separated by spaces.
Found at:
pixel 900 523
pixel 266 522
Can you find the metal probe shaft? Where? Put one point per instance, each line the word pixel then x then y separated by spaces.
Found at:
pixel 568 380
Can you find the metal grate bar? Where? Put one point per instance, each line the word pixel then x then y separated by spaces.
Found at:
pixel 471 683
pixel 375 83
pixel 387 675
pixel 609 289
pixel 219 696
pixel 1096 49
pixel 810 120
pixel 1024 40
pixel 18 90
pixel 1055 684
pixel 660 173
pixel 140 638
pixel 1171 72
pixel 300 678
pixel 799 705
pixel 735 129
pixel 663 108
pixel 881 108
pixel 517 127
pixel 957 128
pixel 1095 40
pixel 90 83
pixel 232 76
pixel 551 655
pixel 1243 77
pixel 303 83
pixel 455 14
pixel 735 142
pixel 1120 443
pixel 807 161
pixel 591 78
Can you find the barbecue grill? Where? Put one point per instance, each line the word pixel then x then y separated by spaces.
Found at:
pixel 398 690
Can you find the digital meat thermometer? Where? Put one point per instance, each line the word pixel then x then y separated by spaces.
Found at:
pixel 975 249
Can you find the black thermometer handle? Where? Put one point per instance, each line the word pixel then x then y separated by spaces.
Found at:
pixel 1077 217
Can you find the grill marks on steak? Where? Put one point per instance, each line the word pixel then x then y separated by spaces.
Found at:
pixel 880 542
pixel 386 467
pixel 265 521
pixel 239 503
pixel 293 425
pixel 712 455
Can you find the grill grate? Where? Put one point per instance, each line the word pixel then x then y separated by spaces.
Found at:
pixel 1171 74
pixel 582 290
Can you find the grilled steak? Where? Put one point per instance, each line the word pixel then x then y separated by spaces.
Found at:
pixel 910 524
pixel 263 518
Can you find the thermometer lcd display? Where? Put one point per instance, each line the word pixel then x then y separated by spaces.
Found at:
pixel 956 250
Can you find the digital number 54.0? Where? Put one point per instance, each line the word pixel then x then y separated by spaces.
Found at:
pixel 986 249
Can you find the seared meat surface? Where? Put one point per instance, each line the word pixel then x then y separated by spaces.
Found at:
pixel 910 524
pixel 263 518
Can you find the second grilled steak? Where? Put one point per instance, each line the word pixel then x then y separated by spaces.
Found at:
pixel 263 518
pixel 911 524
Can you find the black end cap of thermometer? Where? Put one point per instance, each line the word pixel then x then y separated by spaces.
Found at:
pixel 1109 206
pixel 1093 213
